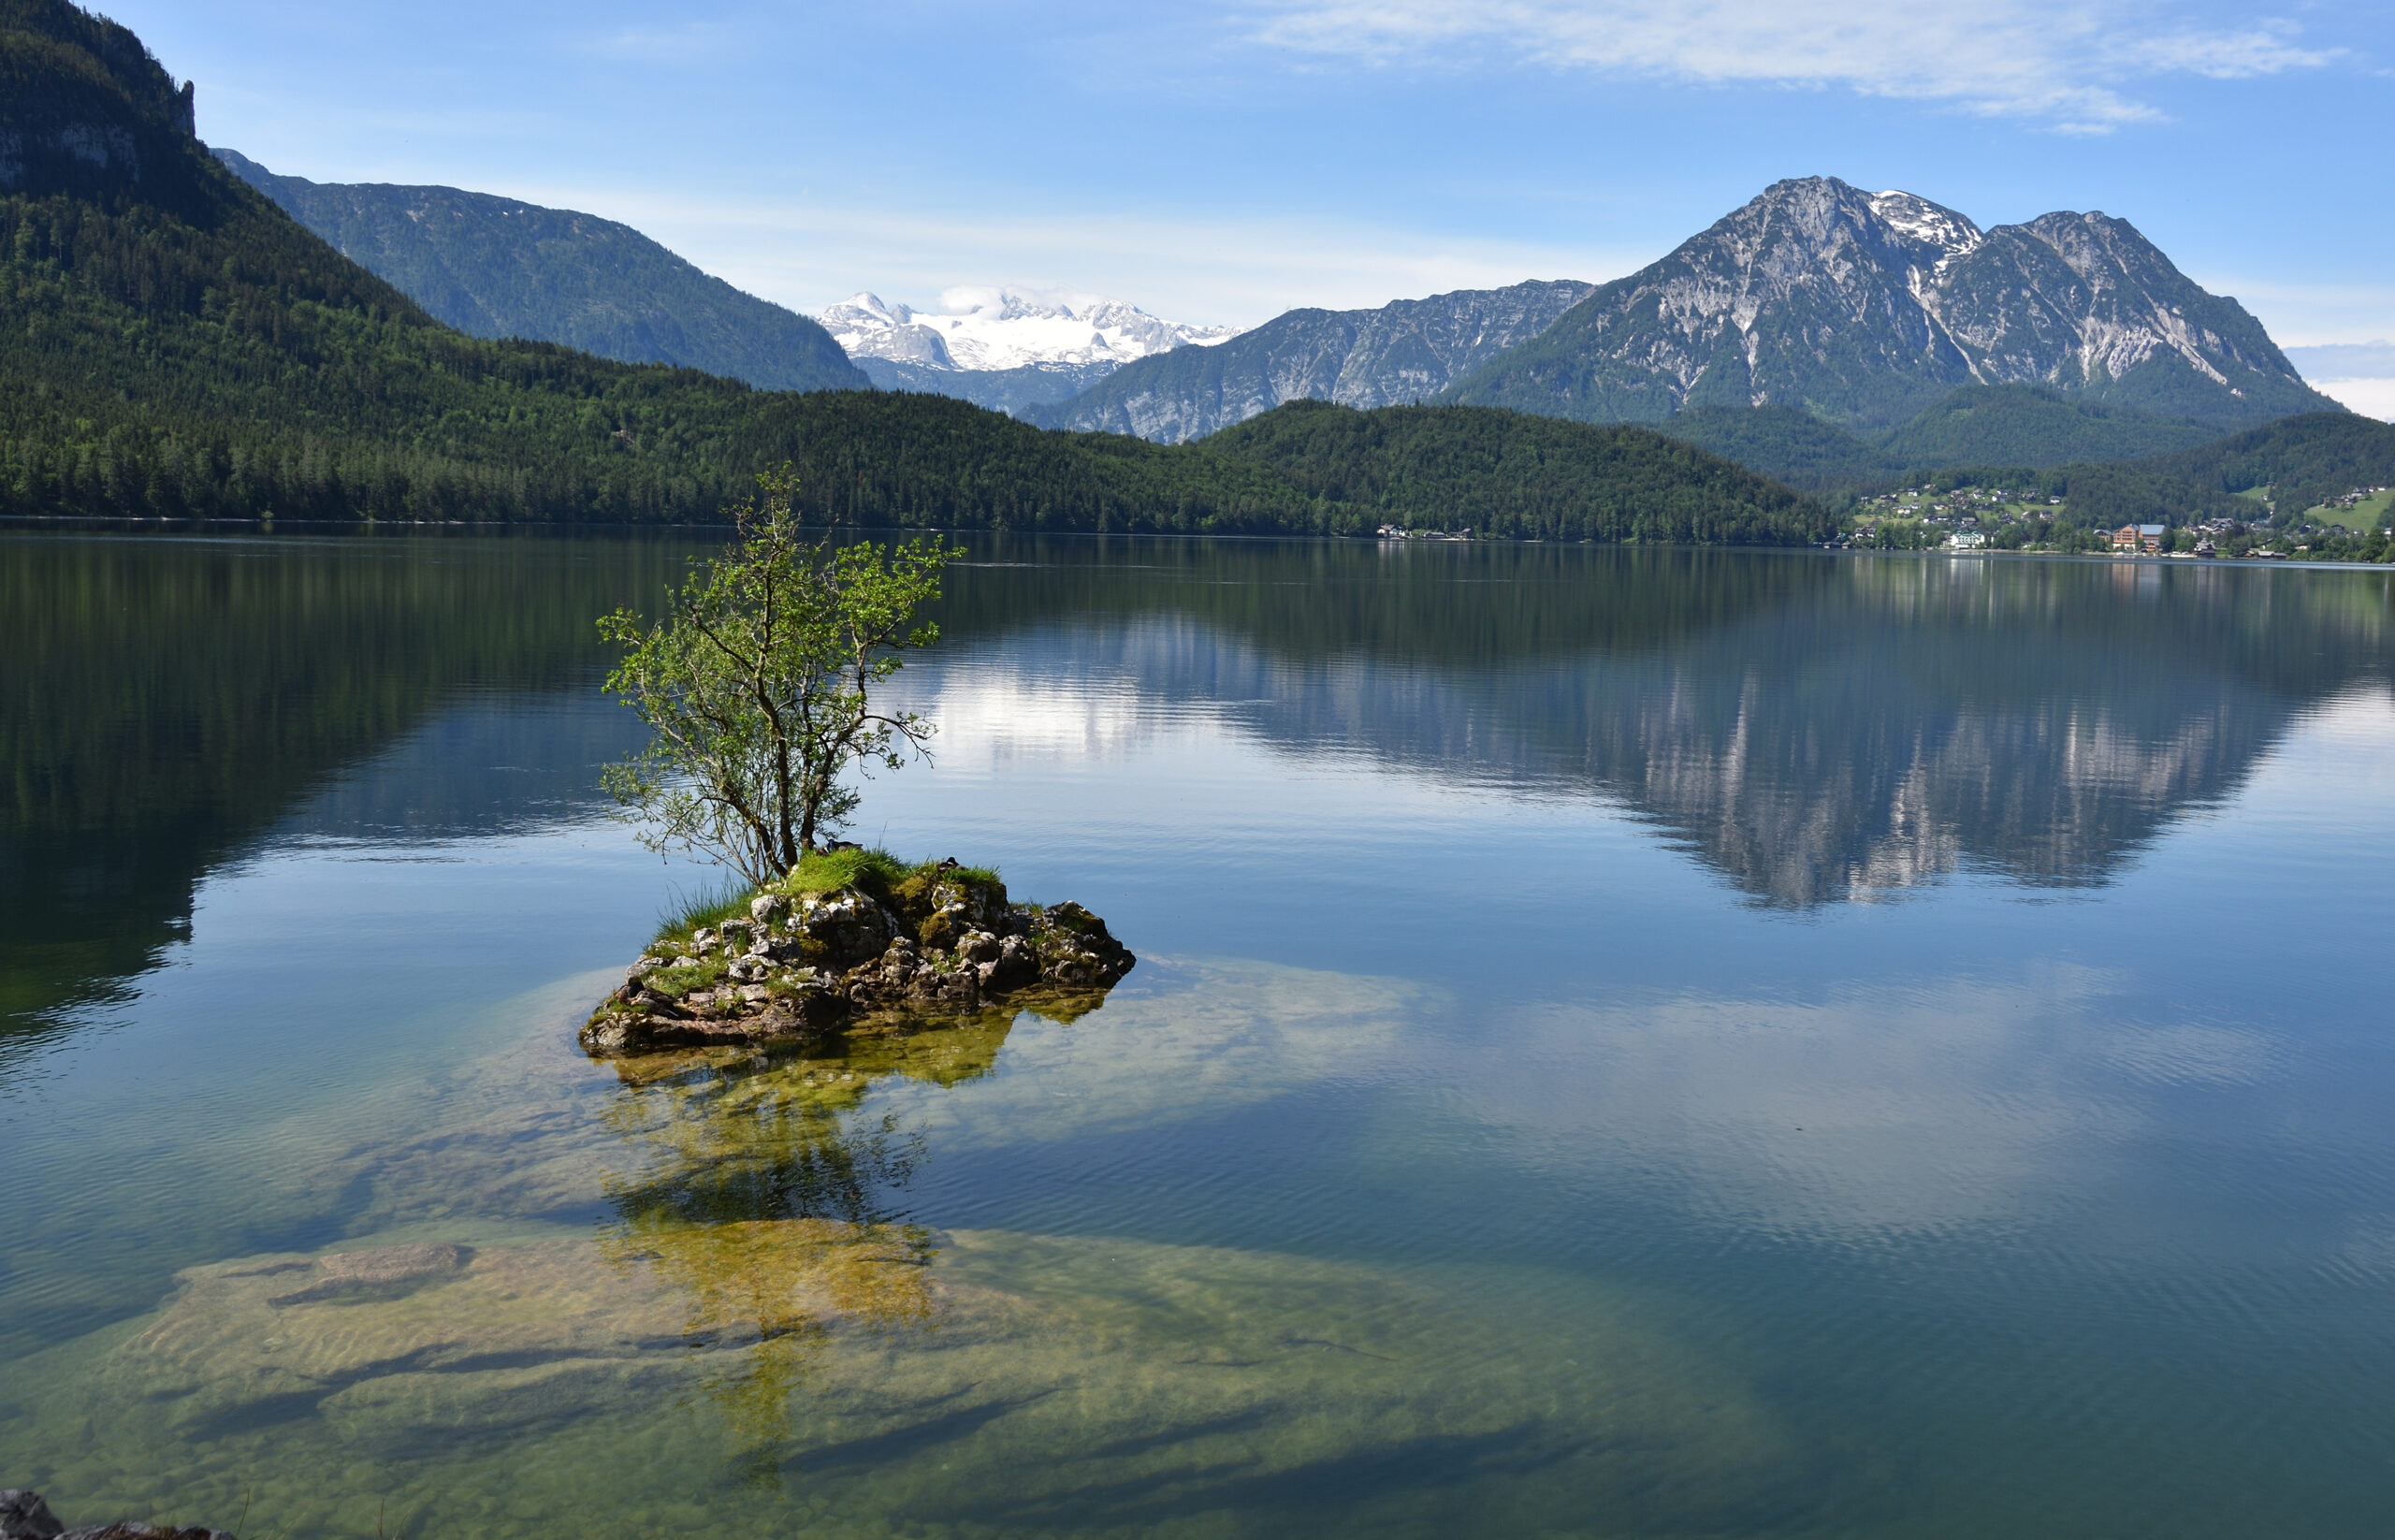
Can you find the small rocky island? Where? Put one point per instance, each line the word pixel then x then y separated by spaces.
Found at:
pixel 848 936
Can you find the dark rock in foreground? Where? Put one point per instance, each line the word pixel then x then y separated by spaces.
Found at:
pixel 940 943
pixel 23 1515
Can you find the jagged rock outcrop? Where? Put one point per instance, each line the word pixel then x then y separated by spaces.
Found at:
pixel 798 967
pixel 23 1515
pixel 1866 308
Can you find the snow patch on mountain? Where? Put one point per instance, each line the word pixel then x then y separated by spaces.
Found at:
pixel 1930 224
pixel 998 329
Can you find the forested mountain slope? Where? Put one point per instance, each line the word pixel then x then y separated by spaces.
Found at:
pixel 2024 427
pixel 1507 473
pixel 493 267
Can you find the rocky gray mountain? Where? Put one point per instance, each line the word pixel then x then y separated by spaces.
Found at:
pixel 493 267
pixel 1865 309
pixel 1402 352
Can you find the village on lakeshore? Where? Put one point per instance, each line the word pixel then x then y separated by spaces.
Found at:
pixel 1999 519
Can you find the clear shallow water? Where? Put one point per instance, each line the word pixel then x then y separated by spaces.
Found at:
pixel 1626 1042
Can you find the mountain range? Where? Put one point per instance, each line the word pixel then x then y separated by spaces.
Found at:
pixel 1820 333
pixel 1000 348
pixel 496 267
pixel 1865 309
pixel 173 345
pixel 1403 352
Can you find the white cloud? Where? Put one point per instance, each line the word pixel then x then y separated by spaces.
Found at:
pixel 2064 64
pixel 2370 397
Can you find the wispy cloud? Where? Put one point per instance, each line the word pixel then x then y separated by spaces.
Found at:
pixel 1200 267
pixel 2071 66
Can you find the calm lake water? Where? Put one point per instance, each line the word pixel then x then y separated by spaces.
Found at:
pixel 1626 1044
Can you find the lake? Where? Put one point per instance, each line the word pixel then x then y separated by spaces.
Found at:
pixel 1626 1042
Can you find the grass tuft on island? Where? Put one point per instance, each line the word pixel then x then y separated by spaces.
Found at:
pixel 868 869
pixel 847 933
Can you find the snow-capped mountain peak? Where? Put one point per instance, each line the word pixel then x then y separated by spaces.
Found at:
pixel 998 329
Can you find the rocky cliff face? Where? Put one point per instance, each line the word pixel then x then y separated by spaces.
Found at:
pixel 1402 352
pixel 1865 308
pixel 86 111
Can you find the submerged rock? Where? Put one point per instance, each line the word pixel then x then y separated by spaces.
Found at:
pixel 23 1515
pixel 937 943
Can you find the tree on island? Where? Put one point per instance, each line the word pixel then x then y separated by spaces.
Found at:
pixel 759 684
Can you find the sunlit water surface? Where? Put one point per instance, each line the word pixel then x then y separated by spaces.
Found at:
pixel 1638 1043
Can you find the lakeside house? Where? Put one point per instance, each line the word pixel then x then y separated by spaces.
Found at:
pixel 2140 537
pixel 1967 540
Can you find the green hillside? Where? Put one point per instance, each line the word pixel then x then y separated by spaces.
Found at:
pixel 1508 473
pixel 2036 425
pixel 2017 427
pixel 1780 441
pixel 493 266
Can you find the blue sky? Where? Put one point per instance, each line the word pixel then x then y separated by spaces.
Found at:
pixel 1222 163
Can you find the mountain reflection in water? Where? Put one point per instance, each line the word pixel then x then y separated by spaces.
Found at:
pixel 1815 730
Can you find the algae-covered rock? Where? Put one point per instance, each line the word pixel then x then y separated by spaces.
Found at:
pixel 939 939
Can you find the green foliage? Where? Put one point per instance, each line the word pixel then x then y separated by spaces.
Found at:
pixel 2303 460
pixel 871 870
pixel 757 688
pixel 1524 477
pixel 493 266
pixel 2036 426
pixel 724 898
pixel 1795 446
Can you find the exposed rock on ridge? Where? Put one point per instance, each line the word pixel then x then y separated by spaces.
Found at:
pixel 795 968
pixel 1866 308
pixel 1402 352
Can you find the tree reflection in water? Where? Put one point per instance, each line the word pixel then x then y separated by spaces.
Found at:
pixel 760 1192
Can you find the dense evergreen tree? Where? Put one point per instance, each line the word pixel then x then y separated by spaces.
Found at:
pixel 1525 477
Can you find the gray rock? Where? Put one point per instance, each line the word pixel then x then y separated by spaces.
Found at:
pixel 849 925
pixel 767 909
pixel 23 1515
